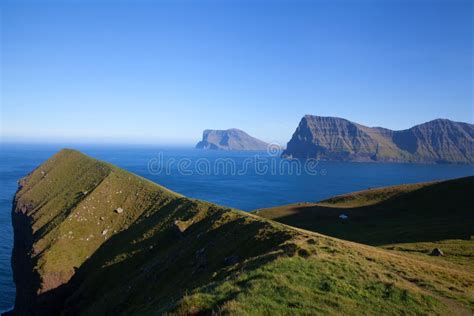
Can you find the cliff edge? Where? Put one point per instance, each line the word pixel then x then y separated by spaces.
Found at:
pixel 332 138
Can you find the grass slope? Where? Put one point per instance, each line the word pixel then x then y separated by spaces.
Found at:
pixel 169 254
pixel 423 212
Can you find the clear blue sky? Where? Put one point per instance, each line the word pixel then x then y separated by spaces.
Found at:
pixel 162 72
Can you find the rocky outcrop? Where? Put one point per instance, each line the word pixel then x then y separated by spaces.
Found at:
pixel 230 139
pixel 331 138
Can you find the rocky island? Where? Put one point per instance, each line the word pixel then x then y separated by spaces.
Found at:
pixel 93 239
pixel 230 139
pixel 337 139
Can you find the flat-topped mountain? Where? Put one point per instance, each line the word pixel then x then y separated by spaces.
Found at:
pixel 331 138
pixel 230 139
pixel 93 239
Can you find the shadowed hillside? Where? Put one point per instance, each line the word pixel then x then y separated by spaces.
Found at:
pixel 93 239
pixel 400 214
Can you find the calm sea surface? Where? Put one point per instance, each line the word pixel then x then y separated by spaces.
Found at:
pixel 241 180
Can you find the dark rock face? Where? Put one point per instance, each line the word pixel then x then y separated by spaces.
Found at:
pixel 231 139
pixel 331 138
pixel 30 299
pixel 23 267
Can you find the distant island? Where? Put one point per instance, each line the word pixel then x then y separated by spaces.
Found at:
pixel 93 239
pixel 230 139
pixel 337 139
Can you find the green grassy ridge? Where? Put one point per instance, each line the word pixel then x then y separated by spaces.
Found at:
pixel 372 196
pixel 170 254
pixel 73 199
pixel 423 212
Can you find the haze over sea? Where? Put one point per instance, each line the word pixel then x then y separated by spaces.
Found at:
pixel 248 187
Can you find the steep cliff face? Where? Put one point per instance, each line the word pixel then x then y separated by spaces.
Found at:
pixel 25 278
pixel 42 203
pixel 231 139
pixel 92 239
pixel 330 138
pixel 439 140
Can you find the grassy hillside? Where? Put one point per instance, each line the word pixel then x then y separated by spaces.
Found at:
pixel 400 214
pixel 104 241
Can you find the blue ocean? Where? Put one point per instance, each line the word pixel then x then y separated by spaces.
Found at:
pixel 241 180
